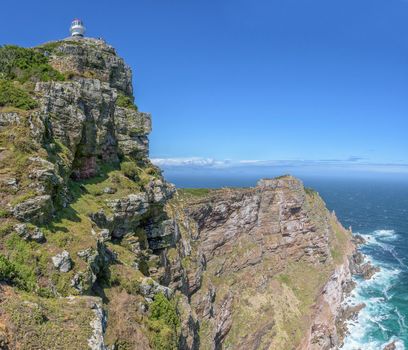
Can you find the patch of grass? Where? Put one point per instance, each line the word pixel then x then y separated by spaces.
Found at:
pixel 194 192
pixel 51 323
pixel 125 101
pixel 4 213
pixel 22 198
pixel 28 261
pixel 5 229
pixel 310 191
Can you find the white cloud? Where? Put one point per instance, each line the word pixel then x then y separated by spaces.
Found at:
pixel 188 161
pixel 352 162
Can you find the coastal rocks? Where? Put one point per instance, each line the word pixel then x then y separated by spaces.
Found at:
pixel 361 268
pixel 390 346
pixel 62 261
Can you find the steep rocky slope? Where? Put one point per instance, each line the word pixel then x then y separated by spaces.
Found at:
pixel 98 251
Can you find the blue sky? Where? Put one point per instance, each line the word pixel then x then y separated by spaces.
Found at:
pixel 244 83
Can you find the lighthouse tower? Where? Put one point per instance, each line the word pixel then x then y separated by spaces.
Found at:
pixel 77 28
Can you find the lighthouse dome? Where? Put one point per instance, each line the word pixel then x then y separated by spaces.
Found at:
pixel 77 27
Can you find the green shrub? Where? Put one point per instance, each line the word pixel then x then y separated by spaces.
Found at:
pixel 11 273
pixel 130 170
pixel 14 96
pixel 27 260
pixel 4 213
pixel 164 324
pixel 125 102
pixel 22 64
pixel 6 229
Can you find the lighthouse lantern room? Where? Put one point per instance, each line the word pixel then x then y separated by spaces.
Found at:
pixel 77 28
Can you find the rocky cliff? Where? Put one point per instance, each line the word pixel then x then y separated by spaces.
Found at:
pixel 98 251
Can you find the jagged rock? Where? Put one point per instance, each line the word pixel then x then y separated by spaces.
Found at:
pixel 149 288
pixel 130 206
pixel 109 190
pixel 132 130
pixel 94 57
pixel 359 240
pixel 98 325
pixel 62 261
pixel 162 235
pixel 223 321
pixel 37 209
pixel 390 346
pixel 160 191
pixel 104 235
pixel 359 268
pixel 30 234
pixel 12 182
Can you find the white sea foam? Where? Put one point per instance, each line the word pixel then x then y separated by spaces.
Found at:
pixel 375 293
pixel 384 235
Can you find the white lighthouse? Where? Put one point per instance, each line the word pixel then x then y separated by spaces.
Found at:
pixel 77 28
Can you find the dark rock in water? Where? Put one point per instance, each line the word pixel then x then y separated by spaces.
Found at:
pixel 360 268
pixel 359 240
pixel 390 346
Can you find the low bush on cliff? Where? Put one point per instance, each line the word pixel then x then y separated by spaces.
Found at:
pixel 125 102
pixel 164 324
pixel 13 96
pixel 23 64
pixel 130 170
pixel 11 273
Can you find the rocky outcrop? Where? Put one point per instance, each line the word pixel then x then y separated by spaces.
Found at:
pixel 62 261
pixel 102 245
pixel 255 259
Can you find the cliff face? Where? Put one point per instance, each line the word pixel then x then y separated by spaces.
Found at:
pixel 257 260
pixel 98 251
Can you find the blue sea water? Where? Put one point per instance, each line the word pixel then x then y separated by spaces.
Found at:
pixel 376 208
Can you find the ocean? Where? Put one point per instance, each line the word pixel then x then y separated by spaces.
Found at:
pixel 376 208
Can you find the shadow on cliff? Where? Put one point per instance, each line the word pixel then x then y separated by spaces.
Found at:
pixel 77 190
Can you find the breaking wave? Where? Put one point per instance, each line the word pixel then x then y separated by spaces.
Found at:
pixel 381 321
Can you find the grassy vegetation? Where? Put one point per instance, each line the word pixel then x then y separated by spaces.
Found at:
pixel 194 192
pixel 27 260
pixel 130 170
pixel 164 324
pixel 51 323
pixel 23 65
pixel 125 102
pixel 10 273
pixel 338 243
pixel 11 95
